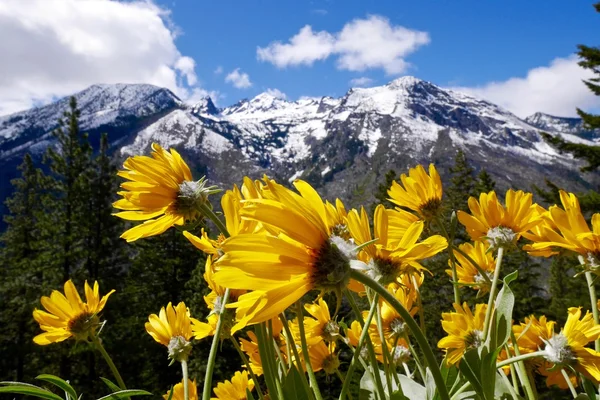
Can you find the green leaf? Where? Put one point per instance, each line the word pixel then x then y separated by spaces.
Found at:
pixel 589 388
pixel 505 302
pixel 367 390
pixel 30 390
pixel 60 383
pixel 470 367
pixel 110 384
pixel 293 388
pixel 429 384
pixel 122 394
pixel 170 393
pixel 248 395
pixel 412 390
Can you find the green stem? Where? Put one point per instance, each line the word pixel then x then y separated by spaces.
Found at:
pixel 364 336
pixel 490 306
pixel 593 298
pixel 210 366
pixel 311 374
pixel 339 375
pixel 290 340
pixel 520 358
pixel 420 304
pixel 522 371
pixel 412 325
pixel 97 342
pixel 452 261
pixel 208 212
pixel 571 387
pixel 460 390
pixel 248 367
pixel 186 388
pixel 385 354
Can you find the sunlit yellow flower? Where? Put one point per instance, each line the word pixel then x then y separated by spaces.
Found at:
pixel 214 300
pixel 234 389
pixel 318 328
pixel 467 274
pixel 567 348
pixel 532 333
pixel 419 192
pixel 172 327
pixel 323 357
pixel 391 322
pixel 281 269
pixel 397 348
pixel 464 329
pixel 500 225
pixel 68 316
pixel 159 191
pixel 250 347
pixel 389 257
pixel 566 228
pixel 336 218
pixel 178 392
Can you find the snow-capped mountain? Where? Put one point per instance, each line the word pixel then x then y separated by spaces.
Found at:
pixel 344 145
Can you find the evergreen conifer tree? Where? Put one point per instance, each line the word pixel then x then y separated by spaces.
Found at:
pixel 461 183
pixel 484 183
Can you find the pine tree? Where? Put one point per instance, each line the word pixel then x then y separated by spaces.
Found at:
pixel 70 167
pixel 23 272
pixel 484 182
pixel 461 183
pixel 381 195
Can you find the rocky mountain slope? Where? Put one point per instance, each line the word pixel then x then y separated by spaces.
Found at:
pixel 344 146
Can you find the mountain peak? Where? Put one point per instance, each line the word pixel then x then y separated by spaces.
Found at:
pixel 205 106
pixel 405 82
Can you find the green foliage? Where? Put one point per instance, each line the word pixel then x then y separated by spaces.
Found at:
pixel 484 183
pixel 461 183
pixel 590 154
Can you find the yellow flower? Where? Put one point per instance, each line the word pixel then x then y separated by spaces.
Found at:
pixel 234 389
pixel 567 348
pixel 392 323
pixel 214 300
pixel 159 191
pixel 323 357
pixel 532 333
pixel 178 393
pixel 250 347
pixel 419 192
pixel 464 329
pixel 389 257
pixel 172 327
pixel 566 228
pixel 467 274
pixel 281 269
pixel 336 218
pixel 500 225
pixel 318 328
pixel 68 316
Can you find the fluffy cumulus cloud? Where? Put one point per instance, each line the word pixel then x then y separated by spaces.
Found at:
pixel 372 42
pixel 361 82
pixel 58 47
pixel 239 80
pixel 555 89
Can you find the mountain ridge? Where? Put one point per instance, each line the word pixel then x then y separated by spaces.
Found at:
pixel 342 145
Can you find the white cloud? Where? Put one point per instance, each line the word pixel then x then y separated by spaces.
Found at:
pixel 276 93
pixel 361 82
pixel 361 44
pixel 58 47
pixel 555 89
pixel 218 70
pixel 306 47
pixel 239 80
pixel 319 11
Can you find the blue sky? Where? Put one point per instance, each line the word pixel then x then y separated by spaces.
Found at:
pixel 518 54
pixel 471 42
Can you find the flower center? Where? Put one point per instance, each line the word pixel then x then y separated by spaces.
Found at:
pixel 387 269
pixel 330 364
pixel 474 339
pixel 192 195
pixel 83 325
pixel 431 208
pixel 400 354
pixel 558 350
pixel 342 231
pixel 179 348
pixel 501 236
pixel 331 268
pixel 398 327
pixel 331 331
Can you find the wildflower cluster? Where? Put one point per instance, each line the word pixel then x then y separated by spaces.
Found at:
pixel 286 263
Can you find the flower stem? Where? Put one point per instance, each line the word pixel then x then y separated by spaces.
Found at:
pixel 208 212
pixel 186 385
pixel 571 387
pixel 210 366
pixel 455 286
pixel 364 336
pixel 523 373
pixel 97 342
pixel 248 367
pixel 311 374
pixel 420 303
pixel 593 298
pixel 290 340
pixel 432 363
pixel 490 306
pixel 520 358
